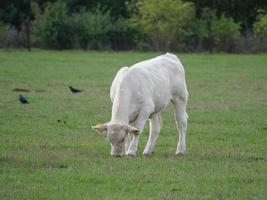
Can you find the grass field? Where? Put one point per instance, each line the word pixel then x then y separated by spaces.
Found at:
pixel 48 150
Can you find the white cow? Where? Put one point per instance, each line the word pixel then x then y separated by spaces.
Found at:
pixel 140 93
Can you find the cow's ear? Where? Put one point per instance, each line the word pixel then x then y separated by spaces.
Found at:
pixel 133 130
pixel 100 127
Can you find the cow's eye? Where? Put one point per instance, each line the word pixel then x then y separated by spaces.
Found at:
pixel 122 140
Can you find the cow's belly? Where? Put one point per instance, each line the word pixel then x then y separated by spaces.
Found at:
pixel 161 104
pixel 161 99
pixel 157 105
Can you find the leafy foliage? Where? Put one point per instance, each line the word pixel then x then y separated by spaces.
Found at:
pixel 58 29
pixel 186 25
pixel 243 12
pixel 16 12
pixel 213 31
pixel 54 28
pixel 225 31
pixel 164 23
pixel 225 28
pixel 260 27
pixel 91 28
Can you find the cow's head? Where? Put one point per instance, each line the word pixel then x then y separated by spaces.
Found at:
pixel 117 133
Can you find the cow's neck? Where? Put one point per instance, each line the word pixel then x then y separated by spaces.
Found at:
pixel 120 107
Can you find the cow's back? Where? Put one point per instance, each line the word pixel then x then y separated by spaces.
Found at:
pixel 157 80
pixel 165 74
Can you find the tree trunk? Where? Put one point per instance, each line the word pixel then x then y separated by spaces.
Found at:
pixel 210 39
pixel 198 8
pixel 28 34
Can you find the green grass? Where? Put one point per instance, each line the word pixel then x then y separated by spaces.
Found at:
pixel 41 158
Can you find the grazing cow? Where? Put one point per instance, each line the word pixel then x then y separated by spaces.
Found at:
pixel 140 93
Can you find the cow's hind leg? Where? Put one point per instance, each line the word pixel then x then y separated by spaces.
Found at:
pixel 181 122
pixel 155 125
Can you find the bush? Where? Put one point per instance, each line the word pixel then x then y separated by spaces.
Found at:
pixel 10 37
pixel 56 28
pixel 225 33
pixel 164 24
pixel 251 44
pixel 53 29
pixel 123 36
pixel 92 29
pixel 260 26
pixel 212 32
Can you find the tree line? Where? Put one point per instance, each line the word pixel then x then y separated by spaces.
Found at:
pixel 176 25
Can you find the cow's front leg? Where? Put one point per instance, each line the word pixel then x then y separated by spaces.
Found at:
pixel 132 149
pixel 128 141
pixel 155 125
pixel 133 146
pixel 139 124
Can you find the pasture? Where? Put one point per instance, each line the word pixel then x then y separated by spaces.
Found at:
pixel 49 151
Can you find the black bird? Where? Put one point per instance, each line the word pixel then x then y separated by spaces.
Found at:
pixel 22 99
pixel 74 90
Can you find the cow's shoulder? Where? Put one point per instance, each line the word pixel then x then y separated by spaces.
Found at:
pixel 116 81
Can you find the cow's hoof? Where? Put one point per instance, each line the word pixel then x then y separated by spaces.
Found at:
pixel 116 156
pixel 131 156
pixel 180 154
pixel 147 154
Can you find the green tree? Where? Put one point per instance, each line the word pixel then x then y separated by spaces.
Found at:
pixel 164 23
pixel 92 28
pixel 18 13
pixel 213 31
pixel 260 26
pixel 53 29
pixel 225 31
pixel 242 11
pixel 58 28
pixel 117 8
